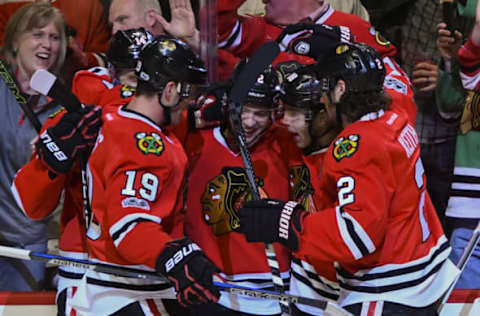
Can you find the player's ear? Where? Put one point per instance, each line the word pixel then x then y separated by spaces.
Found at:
pixel 170 94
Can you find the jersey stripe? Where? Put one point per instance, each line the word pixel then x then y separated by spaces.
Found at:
pixel 353 234
pixel 120 229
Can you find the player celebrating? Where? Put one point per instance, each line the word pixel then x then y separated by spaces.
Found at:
pixel 137 171
pixel 388 248
pixel 218 187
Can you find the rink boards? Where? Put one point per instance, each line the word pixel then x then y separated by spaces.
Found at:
pixel 461 302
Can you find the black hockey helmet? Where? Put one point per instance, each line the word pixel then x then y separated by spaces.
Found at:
pixel 166 59
pixel 300 86
pixel 125 47
pixel 266 89
pixel 358 64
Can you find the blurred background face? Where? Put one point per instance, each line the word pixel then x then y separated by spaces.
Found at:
pixel 295 121
pixel 255 121
pixel 37 48
pixel 126 14
pixel 282 12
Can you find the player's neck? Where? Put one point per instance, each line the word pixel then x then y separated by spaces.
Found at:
pixel 147 106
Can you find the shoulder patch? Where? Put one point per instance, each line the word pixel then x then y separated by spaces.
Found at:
pixel 126 91
pixel 346 147
pixel 379 38
pixel 56 112
pixel 150 143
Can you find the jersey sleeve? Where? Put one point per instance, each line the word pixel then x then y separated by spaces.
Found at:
pixel 90 85
pixel 468 58
pixel 354 224
pixel 36 191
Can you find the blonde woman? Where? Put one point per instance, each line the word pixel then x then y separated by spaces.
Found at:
pixel 34 39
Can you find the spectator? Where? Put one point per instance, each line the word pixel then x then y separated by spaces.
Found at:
pixel 34 39
pixel 462 210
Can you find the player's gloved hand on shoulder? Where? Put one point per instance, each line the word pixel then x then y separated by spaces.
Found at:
pixel 186 265
pixel 59 145
pixel 270 220
pixel 312 40
pixel 209 109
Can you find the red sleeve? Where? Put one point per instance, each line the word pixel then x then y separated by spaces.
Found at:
pixel 468 58
pixel 90 85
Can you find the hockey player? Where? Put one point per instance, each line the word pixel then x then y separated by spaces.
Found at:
pixel 137 181
pixel 377 224
pixel 218 187
pixel 116 84
pixel 242 36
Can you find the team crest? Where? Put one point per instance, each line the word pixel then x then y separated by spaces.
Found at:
pixel 126 91
pixel 379 38
pixel 346 147
pixel 301 189
pixel 223 196
pixel 150 143
pixel 341 49
pixel 167 46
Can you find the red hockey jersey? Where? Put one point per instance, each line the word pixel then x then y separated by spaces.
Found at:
pixel 217 188
pixel 380 227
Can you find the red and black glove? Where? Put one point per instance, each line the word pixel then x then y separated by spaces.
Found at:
pixel 313 40
pixel 270 220
pixel 210 105
pixel 186 265
pixel 59 145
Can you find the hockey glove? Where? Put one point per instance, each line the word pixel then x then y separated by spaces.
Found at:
pixel 210 105
pixel 313 40
pixel 185 264
pixel 270 220
pixel 59 145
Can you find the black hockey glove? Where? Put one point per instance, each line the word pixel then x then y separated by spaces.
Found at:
pixel 270 220
pixel 313 40
pixel 59 145
pixel 210 105
pixel 185 264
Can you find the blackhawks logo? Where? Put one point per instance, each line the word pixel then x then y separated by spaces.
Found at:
pixel 345 147
pixel 150 143
pixel 223 196
pixel 126 91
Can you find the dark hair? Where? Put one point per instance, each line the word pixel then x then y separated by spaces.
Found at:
pixel 354 105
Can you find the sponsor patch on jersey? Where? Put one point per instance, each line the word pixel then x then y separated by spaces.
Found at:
pixel 150 143
pixel 60 110
pixel 126 91
pixel 379 38
pixel 136 202
pixel 346 147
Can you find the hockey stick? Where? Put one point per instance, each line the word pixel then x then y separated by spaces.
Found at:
pixel 47 84
pixel 23 254
pixel 448 12
pixel 242 84
pixel 462 262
